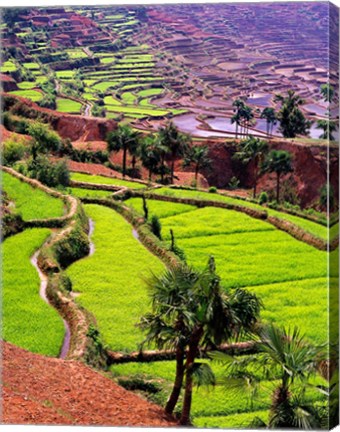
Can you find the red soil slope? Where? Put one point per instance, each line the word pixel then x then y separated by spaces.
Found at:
pixel 43 390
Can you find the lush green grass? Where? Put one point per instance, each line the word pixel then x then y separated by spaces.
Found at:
pixel 31 203
pixel 27 85
pixel 136 110
pixel 89 193
pixel 302 303
pixel 8 66
pixel 110 281
pixel 76 54
pixel 31 65
pixel 217 406
pixel 211 221
pixel 105 85
pixel 233 421
pixel 68 105
pixel 27 320
pixel 109 100
pixel 159 208
pixel 89 96
pixel 128 98
pixel 65 74
pixel 106 60
pixel 105 180
pixel 309 226
pixel 252 253
pixel 33 95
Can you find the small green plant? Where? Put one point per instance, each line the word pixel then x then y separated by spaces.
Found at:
pixel 234 183
pixel 212 189
pixel 263 198
pixel 13 151
pixel 156 226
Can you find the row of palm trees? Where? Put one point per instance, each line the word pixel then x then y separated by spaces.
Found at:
pixel 156 150
pixel 193 314
pixel 256 152
pixel 291 118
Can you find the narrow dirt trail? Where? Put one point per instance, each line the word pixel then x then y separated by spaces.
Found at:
pixel 42 292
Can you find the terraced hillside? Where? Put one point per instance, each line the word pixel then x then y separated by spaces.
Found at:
pixel 146 64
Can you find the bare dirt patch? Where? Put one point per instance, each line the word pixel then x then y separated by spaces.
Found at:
pixel 43 390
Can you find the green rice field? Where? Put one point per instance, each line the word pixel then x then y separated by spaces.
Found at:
pixel 118 295
pixel 27 320
pixel 29 202
pixel 68 105
pixel 105 180
pixel 33 95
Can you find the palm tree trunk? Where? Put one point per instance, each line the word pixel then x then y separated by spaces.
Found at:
pixel 196 173
pixel 255 180
pixel 172 170
pixel 278 187
pixel 150 174
pixel 124 160
pixel 133 162
pixel 162 168
pixel 173 399
pixel 191 356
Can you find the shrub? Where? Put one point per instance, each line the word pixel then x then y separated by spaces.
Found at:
pixel 48 173
pixel 234 183
pixel 137 383
pixel 213 189
pixel 263 198
pixel 13 151
pixel 156 226
pixel 11 224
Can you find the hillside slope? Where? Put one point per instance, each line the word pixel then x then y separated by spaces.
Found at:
pixel 43 390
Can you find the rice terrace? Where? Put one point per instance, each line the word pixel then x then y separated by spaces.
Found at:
pixel 170 215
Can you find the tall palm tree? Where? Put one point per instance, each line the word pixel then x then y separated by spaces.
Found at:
pixel 169 324
pixel 150 152
pixel 328 127
pixel 176 143
pixel 292 121
pixel 280 162
pixel 237 118
pixel 269 114
pixel 288 356
pixel 252 150
pixel 123 138
pixel 197 155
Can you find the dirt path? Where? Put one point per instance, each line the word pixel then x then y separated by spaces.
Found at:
pixel 42 292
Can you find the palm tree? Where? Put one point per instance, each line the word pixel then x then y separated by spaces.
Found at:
pixel 280 162
pixel 176 143
pixel 252 150
pixel 293 360
pixel 328 127
pixel 270 116
pixel 169 324
pixel 292 121
pixel 150 152
pixel 197 155
pixel 218 316
pixel 123 138
pixel 191 311
pixel 238 116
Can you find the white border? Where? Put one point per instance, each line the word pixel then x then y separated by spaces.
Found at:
pixel 32 3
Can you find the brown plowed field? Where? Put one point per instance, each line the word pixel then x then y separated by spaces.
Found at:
pixel 43 390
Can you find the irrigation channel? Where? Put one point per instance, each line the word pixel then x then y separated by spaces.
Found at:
pixel 43 288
